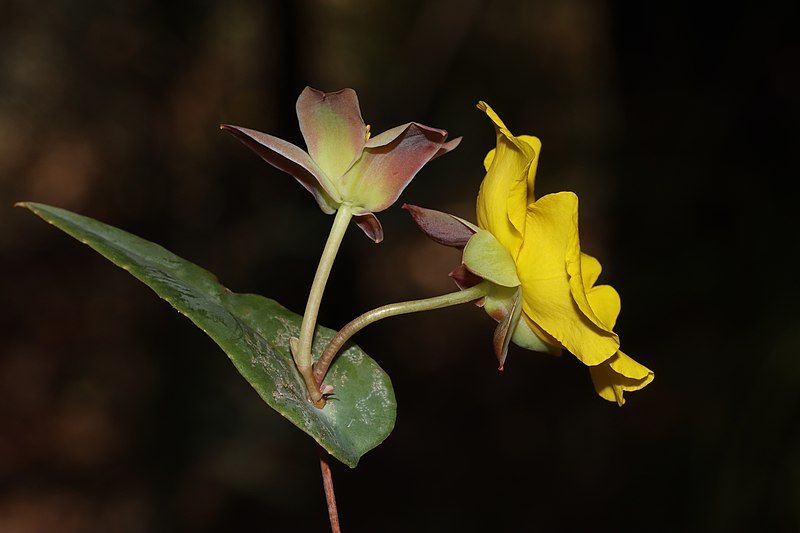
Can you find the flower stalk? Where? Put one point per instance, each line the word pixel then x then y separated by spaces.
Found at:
pixel 301 349
pixel 400 308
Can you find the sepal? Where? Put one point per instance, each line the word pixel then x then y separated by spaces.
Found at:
pixel 441 227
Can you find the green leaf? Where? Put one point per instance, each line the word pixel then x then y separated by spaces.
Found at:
pixel 254 331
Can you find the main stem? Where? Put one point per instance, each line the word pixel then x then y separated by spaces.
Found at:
pixel 395 309
pixel 327 484
pixel 302 353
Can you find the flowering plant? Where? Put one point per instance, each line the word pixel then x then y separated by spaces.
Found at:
pixel 522 262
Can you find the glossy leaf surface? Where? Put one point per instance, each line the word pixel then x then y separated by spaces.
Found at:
pixel 254 332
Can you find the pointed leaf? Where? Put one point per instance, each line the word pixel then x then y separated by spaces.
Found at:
pixel 254 332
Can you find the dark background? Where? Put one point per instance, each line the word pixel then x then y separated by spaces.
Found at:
pixel 676 124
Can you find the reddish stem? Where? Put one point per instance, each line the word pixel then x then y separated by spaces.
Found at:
pixel 330 496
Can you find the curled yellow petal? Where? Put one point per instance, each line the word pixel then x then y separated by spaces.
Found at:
pixel 576 262
pixel 534 143
pixel 504 192
pixel 603 299
pixel 590 270
pixel 618 375
pixel 551 245
pixel 605 303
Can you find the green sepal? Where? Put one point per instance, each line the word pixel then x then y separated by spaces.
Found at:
pixel 486 257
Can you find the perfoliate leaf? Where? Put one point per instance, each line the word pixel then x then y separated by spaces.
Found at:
pixel 254 332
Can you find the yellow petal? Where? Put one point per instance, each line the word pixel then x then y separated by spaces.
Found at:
pixel 618 375
pixel 590 270
pixel 504 192
pixel 603 299
pixel 487 161
pixel 551 244
pixel 605 303
pixel 534 143
pixel 578 286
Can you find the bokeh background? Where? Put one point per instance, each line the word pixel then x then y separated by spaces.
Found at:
pixel 675 123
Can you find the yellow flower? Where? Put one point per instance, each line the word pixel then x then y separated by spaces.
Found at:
pixel 542 287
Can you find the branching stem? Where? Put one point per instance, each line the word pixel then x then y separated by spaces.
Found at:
pixel 386 311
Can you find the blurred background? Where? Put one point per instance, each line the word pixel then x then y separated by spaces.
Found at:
pixel 675 123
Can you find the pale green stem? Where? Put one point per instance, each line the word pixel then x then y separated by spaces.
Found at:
pixel 386 311
pixel 302 350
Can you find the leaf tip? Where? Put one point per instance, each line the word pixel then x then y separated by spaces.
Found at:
pixel 33 207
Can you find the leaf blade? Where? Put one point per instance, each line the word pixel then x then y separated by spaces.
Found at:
pixel 254 332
